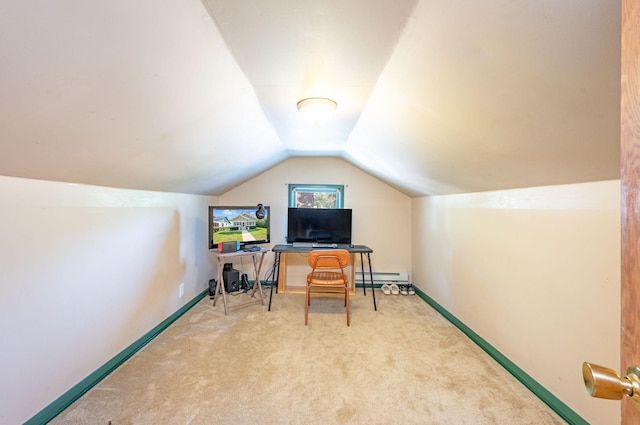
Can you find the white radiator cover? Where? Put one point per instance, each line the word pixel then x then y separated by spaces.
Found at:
pixel 384 277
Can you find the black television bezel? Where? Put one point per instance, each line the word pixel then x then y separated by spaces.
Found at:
pixel 293 237
pixel 253 208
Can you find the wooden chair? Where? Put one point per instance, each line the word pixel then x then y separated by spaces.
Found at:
pixel 328 272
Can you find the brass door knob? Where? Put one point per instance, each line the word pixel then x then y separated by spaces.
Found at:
pixel 602 382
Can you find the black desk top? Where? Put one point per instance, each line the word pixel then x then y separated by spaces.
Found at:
pixel 355 249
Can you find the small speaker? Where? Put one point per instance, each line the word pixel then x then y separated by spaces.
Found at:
pixel 224 247
pixel 231 279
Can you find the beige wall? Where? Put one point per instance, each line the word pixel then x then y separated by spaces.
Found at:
pixel 381 214
pixel 536 273
pixel 85 272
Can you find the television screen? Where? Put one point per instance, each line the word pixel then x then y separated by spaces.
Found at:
pixel 231 224
pixel 320 225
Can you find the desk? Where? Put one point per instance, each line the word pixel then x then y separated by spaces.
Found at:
pixel 353 249
pixel 228 257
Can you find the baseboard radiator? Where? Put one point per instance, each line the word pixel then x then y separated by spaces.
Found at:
pixel 380 278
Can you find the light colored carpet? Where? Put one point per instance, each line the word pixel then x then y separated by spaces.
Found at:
pixel 403 364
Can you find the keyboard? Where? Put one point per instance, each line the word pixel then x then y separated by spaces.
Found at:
pixel 324 245
pixel 314 245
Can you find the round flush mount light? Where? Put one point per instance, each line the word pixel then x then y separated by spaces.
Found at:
pixel 317 110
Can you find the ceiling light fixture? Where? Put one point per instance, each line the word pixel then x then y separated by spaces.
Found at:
pixel 317 110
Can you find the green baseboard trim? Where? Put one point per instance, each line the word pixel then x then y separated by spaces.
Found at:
pixel 64 401
pixel 542 393
pixel 375 285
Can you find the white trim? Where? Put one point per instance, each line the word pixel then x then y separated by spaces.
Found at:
pixel 384 277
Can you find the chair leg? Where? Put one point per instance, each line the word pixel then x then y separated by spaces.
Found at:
pixel 306 306
pixel 346 300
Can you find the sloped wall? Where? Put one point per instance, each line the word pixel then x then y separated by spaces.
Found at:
pixel 536 273
pixel 85 272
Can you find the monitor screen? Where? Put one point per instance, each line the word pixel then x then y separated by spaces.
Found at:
pixel 322 225
pixel 238 224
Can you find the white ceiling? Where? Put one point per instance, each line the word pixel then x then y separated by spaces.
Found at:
pixel 434 96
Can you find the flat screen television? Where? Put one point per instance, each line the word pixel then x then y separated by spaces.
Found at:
pixel 238 224
pixel 319 225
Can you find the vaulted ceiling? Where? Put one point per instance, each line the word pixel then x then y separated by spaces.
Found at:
pixel 197 96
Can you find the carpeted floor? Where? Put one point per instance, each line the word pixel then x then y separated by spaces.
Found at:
pixel 403 364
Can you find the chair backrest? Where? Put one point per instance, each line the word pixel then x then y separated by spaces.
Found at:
pixel 329 258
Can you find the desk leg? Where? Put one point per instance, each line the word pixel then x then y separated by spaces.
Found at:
pixel 220 289
pixel 274 281
pixel 364 279
pixel 375 306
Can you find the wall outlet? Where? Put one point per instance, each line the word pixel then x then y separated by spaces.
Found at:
pixel 181 290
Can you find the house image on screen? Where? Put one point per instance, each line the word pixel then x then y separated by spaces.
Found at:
pixel 221 222
pixel 244 221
